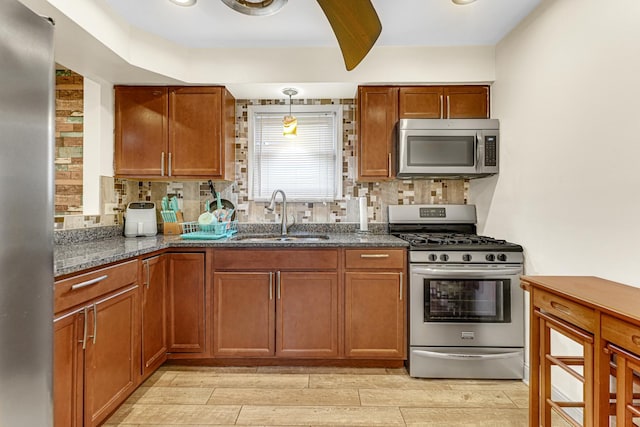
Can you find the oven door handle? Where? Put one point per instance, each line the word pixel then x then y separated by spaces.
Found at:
pixel 462 356
pixel 462 271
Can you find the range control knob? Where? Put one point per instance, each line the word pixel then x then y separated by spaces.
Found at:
pixel 444 257
pixel 490 257
pixel 466 257
pixel 433 257
pixel 502 257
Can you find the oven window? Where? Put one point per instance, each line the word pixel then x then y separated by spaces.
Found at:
pixel 485 301
pixel 440 150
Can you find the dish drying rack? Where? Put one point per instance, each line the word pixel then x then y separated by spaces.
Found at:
pixel 218 230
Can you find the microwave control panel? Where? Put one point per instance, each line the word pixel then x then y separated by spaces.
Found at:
pixel 490 150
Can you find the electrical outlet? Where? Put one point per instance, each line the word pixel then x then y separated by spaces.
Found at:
pixel 110 208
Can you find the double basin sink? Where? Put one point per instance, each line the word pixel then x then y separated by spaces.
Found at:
pixel 280 238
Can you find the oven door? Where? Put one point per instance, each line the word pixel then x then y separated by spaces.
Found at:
pixel 466 305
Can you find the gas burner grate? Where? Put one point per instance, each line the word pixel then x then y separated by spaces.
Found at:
pixel 450 239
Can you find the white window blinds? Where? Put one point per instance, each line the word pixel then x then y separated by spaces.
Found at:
pixel 307 167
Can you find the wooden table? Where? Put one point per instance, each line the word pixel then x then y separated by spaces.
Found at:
pixel 604 318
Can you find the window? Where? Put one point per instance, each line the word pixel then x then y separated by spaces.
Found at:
pixel 308 167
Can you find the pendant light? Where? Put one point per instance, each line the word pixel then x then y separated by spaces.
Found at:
pixel 290 123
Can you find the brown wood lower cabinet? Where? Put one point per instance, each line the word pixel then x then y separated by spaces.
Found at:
pixel 307 314
pixel 285 314
pixel 114 326
pixel 154 314
pixel 68 369
pixel 290 310
pixel 243 314
pixel 186 303
pixel 96 344
pixel 111 369
pixel 375 303
pixel 374 315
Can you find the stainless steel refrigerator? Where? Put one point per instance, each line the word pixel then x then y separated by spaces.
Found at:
pixel 26 216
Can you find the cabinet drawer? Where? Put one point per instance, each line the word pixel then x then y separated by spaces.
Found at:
pixel 565 309
pixel 374 258
pixel 276 259
pixel 85 287
pixel 624 334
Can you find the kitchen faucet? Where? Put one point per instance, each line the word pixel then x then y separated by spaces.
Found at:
pixel 272 205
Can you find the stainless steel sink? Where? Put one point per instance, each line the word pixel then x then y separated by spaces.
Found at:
pixel 280 238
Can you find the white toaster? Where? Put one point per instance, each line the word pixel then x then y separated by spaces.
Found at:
pixel 140 219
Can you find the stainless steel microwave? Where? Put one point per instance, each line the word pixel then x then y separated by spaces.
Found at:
pixel 466 148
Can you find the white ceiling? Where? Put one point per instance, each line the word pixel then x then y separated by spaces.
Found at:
pixel 157 42
pixel 211 24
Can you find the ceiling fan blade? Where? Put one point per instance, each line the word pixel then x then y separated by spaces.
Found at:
pixel 356 26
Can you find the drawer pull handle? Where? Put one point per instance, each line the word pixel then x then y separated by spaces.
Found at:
pixel 89 282
pixel 560 307
pixel 635 339
pixel 374 255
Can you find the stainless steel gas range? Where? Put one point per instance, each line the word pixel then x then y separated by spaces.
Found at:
pixel 466 308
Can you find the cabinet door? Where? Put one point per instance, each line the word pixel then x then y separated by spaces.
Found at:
pixel 111 355
pixel 375 315
pixel 186 303
pixel 378 106
pixel 307 314
pixel 68 369
pixel 154 314
pixel 424 102
pixel 195 132
pixel 467 102
pixel 141 131
pixel 244 314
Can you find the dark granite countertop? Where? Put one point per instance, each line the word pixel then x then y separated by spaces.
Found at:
pixel 71 258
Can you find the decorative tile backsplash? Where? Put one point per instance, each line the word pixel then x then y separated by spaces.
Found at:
pixel 192 195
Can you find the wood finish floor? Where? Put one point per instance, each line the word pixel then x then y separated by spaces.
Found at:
pixel 316 396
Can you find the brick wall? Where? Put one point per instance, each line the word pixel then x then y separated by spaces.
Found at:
pixel 69 138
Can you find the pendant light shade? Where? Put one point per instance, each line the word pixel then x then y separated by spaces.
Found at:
pixel 290 122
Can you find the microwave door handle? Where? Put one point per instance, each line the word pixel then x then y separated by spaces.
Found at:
pixel 466 272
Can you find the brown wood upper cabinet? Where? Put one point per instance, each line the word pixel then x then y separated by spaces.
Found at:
pixel 174 132
pixel 380 107
pixel 375 150
pixel 443 102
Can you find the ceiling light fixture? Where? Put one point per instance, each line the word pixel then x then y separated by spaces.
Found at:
pixel 184 2
pixel 290 123
pixel 463 2
pixel 256 7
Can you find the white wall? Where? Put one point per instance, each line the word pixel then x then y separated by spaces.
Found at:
pixel 568 99
pixel 98 141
